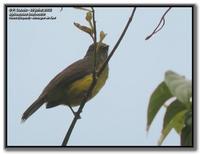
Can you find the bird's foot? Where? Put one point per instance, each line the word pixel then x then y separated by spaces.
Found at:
pixel 74 113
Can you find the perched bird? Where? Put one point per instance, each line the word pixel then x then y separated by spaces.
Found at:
pixel 70 86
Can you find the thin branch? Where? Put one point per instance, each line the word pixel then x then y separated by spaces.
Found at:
pixel 95 43
pixel 77 115
pixel 117 44
pixel 89 92
pixel 157 29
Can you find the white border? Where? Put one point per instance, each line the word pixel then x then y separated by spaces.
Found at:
pixel 2 150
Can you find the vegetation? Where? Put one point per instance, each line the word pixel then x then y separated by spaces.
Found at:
pixel 177 91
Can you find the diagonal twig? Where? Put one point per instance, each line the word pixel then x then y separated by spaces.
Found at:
pixel 117 44
pixel 95 43
pixel 87 95
pixel 77 115
pixel 162 21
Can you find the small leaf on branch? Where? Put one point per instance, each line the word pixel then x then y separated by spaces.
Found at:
pixel 102 36
pixel 88 16
pixel 84 28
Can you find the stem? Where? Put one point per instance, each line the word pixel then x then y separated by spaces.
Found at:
pixel 77 115
pixel 157 29
pixel 95 44
pixel 117 44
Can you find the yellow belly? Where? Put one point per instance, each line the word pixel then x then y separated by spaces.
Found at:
pixel 77 90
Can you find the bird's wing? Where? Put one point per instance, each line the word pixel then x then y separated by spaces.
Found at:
pixel 69 74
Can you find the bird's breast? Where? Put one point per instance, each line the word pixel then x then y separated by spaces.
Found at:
pixel 78 89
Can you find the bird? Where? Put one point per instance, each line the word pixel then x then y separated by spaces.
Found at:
pixel 70 85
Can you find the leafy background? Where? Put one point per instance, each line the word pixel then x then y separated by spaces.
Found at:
pixel 177 91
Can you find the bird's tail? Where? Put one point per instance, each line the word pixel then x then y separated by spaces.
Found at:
pixel 36 105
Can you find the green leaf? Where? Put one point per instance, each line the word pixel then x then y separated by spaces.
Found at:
pixel 179 125
pixel 188 119
pixel 186 136
pixel 172 110
pixel 174 123
pixel 179 86
pixel 186 133
pixel 157 99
